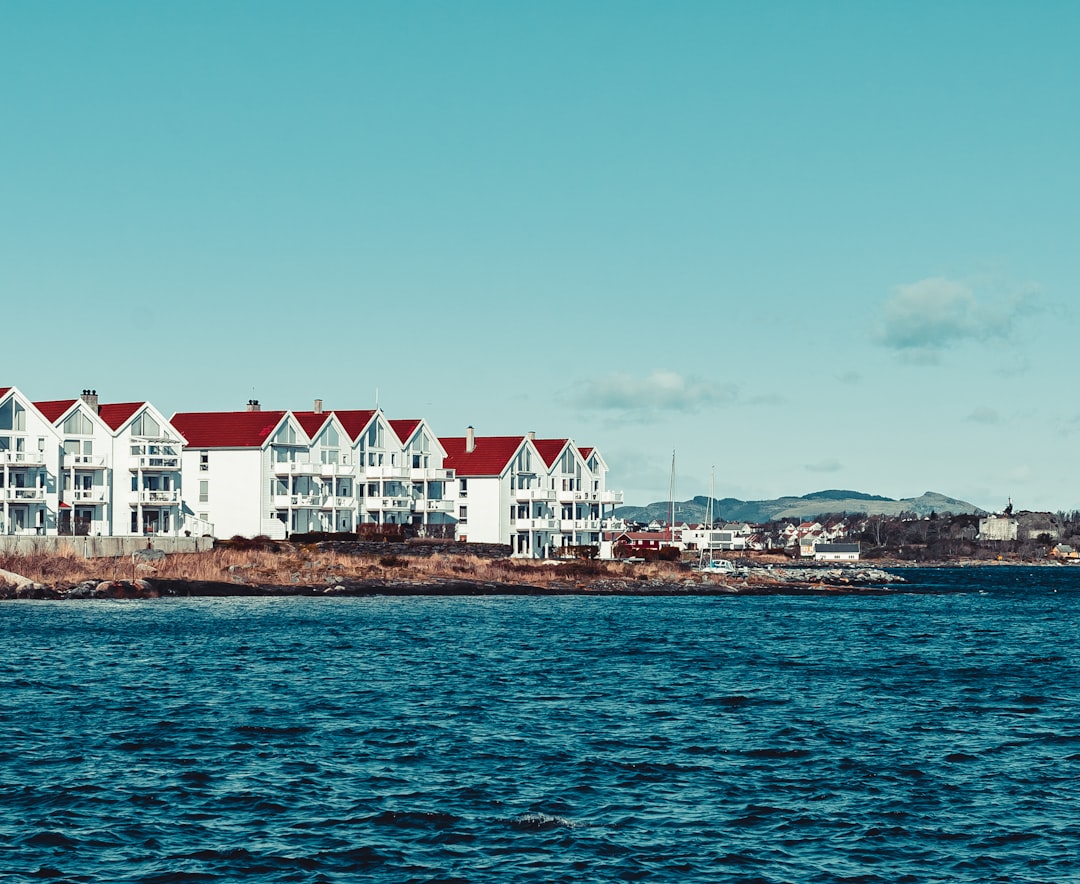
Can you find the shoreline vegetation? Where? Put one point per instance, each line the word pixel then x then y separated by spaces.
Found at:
pixel 286 569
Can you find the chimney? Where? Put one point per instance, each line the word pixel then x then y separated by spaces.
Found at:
pixel 90 397
pixel 318 406
pixel 253 405
pixel 470 440
pixel 532 435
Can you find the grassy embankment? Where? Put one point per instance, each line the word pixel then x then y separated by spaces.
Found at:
pixel 293 564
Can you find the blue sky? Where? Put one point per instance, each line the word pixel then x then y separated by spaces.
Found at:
pixel 814 245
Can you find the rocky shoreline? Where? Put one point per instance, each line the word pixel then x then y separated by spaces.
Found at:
pixel 752 581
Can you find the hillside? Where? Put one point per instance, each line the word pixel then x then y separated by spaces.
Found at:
pixel 731 509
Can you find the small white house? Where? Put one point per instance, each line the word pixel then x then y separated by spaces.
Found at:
pixel 836 552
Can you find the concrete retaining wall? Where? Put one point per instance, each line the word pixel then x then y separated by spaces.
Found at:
pixel 102 547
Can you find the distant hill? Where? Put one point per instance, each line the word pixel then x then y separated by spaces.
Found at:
pixel 808 506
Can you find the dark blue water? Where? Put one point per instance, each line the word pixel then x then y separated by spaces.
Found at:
pixel 915 736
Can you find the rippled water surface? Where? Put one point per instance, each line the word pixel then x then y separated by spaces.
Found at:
pixel 927 735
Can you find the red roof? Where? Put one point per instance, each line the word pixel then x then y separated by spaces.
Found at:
pixel 54 409
pixel 489 457
pixel 403 429
pixel 355 421
pixel 118 413
pixel 312 421
pixel 226 429
pixel 3 391
pixel 585 452
pixel 550 449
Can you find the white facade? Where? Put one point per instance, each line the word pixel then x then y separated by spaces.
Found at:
pixel 29 467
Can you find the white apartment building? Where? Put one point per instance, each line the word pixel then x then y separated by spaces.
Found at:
pixel 280 472
pixel 120 468
pixel 29 467
pixel 535 495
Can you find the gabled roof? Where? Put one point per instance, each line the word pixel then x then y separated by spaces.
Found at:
pixel 585 452
pixel 3 391
pixel 404 429
pixel 119 413
pixel 355 421
pixel 226 429
pixel 54 409
pixel 489 457
pixel 550 449
pixel 312 421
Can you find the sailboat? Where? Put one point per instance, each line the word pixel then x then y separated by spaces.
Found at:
pixel 707 564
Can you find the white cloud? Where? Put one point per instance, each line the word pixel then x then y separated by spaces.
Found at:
pixel 660 391
pixel 923 319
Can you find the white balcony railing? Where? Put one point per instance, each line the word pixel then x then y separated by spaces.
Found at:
pixel 85 461
pixel 433 506
pixel 430 474
pixel 579 525
pixel 610 496
pixel 386 472
pixel 536 524
pixel 332 502
pixel 335 469
pixel 158 497
pixel 25 458
pixel 97 494
pixel 296 468
pixel 154 462
pixel 380 504
pixel 22 494
pixel 542 494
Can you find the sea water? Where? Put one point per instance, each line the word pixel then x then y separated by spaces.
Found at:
pixel 929 733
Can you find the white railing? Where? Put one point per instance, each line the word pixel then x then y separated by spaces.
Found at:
pixel 96 494
pixel 296 468
pixel 385 472
pixel 433 506
pixel 338 503
pixel 376 504
pixel 610 496
pixel 536 524
pixel 144 496
pixel 30 458
pixel 23 493
pixel 542 494
pixel 430 474
pixel 335 469
pixel 579 524
pixel 90 461
pixel 155 462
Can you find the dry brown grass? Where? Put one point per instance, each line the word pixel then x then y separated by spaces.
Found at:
pixel 307 565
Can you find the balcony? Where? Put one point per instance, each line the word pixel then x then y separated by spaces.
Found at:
pixel 23 458
pixel 610 496
pixel 156 497
pixel 385 472
pixel 22 495
pixel 335 469
pixel 541 494
pixel 284 501
pixel 567 525
pixel 433 506
pixel 536 524
pixel 296 468
pixel 154 462
pixel 85 462
pixel 97 494
pixel 383 504
pixel 430 474
pixel 338 503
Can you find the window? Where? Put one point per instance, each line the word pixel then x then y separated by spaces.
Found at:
pixel 204 460
pixel 463 514
pixel 204 490
pixel 463 486
pixel 145 425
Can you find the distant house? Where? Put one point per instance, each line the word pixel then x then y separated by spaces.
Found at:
pixel 1064 551
pixel 836 552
